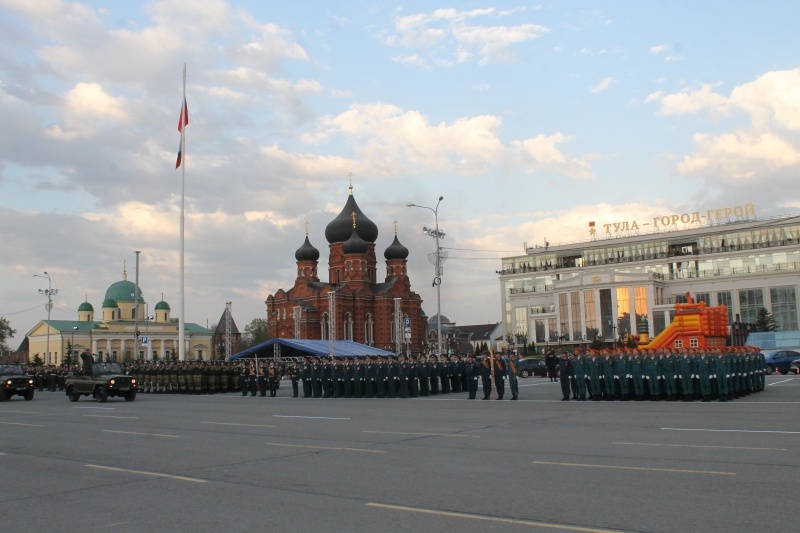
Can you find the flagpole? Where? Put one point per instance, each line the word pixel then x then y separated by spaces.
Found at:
pixel 181 333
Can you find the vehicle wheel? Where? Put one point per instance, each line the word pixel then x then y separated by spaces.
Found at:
pixel 28 395
pixel 524 374
pixel 130 396
pixel 770 370
pixel 3 396
pixel 101 394
pixel 73 396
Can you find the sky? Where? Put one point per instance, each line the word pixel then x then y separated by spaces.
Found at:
pixel 529 119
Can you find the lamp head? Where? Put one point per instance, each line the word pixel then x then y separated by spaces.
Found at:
pixel 410 205
pixel 441 198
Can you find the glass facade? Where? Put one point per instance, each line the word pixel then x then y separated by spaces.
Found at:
pixel 589 315
pixel 724 298
pixel 623 311
pixel 750 301
pixel 784 307
pixel 607 320
pixel 575 316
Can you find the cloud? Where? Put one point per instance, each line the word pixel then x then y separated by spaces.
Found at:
pixel 766 148
pixel 459 37
pixel 394 141
pixel 602 85
pixel 86 108
pixel 659 48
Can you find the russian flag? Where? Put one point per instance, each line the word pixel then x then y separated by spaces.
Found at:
pixel 183 120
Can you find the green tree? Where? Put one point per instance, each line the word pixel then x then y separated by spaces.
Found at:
pixel 37 360
pixel 6 332
pixel 255 333
pixel 765 321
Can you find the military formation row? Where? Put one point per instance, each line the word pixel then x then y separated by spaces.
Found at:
pixel 663 374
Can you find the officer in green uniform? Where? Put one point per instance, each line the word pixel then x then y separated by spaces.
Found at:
pixel 511 373
pixel 579 372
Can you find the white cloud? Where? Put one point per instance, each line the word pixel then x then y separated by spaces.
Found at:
pixel 458 35
pixel 602 85
pixel 86 109
pixel 659 48
pixel 763 149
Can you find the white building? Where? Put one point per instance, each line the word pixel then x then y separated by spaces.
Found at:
pixel 604 286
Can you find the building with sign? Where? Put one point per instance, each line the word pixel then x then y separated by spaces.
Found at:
pixel 353 304
pixel 606 287
pixel 114 336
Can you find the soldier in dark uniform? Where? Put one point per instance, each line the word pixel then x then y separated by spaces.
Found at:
pixel 369 378
pixel 305 376
pixel 262 379
pixel 349 377
pixel 316 378
pixel 565 372
pixel 424 371
pixel 272 379
pixel 500 376
pixel 471 371
pixel 486 376
pixel 294 375
pixel 511 373
pixel 327 379
pixel 579 372
pixel 381 377
pixel 455 375
pixel 337 374
pixel 413 376
pixel 392 379
pixel 244 376
pixel 550 361
pixel 434 375
pixel 402 376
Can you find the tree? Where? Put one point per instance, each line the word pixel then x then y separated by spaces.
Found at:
pixel 765 321
pixel 6 332
pixel 255 333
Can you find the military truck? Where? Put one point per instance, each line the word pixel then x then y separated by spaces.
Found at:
pixel 13 381
pixel 107 380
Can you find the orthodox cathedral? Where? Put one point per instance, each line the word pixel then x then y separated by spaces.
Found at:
pixel 352 304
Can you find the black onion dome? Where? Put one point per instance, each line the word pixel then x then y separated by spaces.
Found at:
pixel 307 252
pixel 340 228
pixel 395 250
pixel 355 244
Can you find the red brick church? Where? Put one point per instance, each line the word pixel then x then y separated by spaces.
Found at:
pixel 363 308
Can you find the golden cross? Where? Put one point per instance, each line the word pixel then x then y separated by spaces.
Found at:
pixel 353 215
pixel 395 227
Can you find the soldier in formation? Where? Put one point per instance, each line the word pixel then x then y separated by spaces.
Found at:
pixel 680 374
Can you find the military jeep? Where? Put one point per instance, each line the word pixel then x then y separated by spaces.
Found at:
pixel 106 380
pixel 14 381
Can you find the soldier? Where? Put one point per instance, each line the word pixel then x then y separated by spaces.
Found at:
pixel 369 378
pixel 652 374
pixel 579 371
pixel 402 376
pixel 316 378
pixel 413 376
pixel 455 375
pixel 511 373
pixel 424 371
pixel 499 376
pixel 349 377
pixel 244 378
pixel 381 377
pixel 444 374
pixel 564 372
pixel 608 377
pixel 550 361
pixel 471 372
pixel 434 375
pixel 392 379
pixel 685 368
pixel 703 369
pixel 486 376
pixel 621 375
pixel 294 375
pixel 593 371
pixel 272 379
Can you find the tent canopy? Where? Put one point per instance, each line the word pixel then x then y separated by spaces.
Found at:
pixel 314 348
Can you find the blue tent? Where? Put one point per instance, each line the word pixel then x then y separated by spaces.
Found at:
pixel 314 348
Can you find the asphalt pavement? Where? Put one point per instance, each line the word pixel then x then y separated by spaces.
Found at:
pixel 232 463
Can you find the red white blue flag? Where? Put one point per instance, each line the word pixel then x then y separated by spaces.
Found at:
pixel 182 121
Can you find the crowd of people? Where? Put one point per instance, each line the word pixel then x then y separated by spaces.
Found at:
pixel 621 374
pixel 683 374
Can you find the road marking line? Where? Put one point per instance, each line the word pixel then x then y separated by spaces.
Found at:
pixel 103 408
pixel 776 382
pixel 700 446
pixel 112 416
pixel 324 448
pixel 2 453
pixel 638 468
pixel 233 424
pixel 145 434
pixel 313 417
pixel 144 473
pixel 733 430
pixel 501 520
pixel 423 434
pixel 21 424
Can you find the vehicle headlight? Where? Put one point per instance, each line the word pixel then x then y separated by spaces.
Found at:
pixel 111 382
pixel 8 382
pixel 133 382
pixel 30 382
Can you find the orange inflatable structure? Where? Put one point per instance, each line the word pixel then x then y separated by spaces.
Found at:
pixel 694 326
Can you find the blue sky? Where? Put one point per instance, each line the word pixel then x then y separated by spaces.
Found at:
pixel 531 119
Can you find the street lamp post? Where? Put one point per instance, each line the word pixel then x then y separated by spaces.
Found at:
pixel 72 345
pixel 49 292
pixel 437 279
